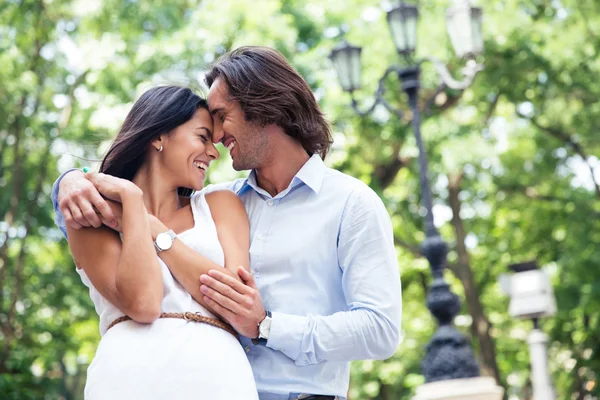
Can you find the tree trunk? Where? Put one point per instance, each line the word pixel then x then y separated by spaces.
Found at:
pixel 480 327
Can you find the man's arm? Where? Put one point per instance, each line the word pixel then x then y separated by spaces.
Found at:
pixel 371 284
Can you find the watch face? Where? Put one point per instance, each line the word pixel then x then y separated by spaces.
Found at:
pixel 164 241
pixel 265 328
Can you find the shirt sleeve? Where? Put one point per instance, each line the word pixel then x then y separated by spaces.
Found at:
pixel 59 218
pixel 370 328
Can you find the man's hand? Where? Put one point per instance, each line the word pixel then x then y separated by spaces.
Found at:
pixel 81 203
pixel 238 302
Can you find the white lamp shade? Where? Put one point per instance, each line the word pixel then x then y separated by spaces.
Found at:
pixel 402 20
pixel 465 29
pixel 346 61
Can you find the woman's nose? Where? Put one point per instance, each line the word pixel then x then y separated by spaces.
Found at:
pixel 213 152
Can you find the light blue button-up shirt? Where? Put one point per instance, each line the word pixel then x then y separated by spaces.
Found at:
pixel 322 253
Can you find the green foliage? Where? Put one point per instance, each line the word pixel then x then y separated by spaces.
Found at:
pixel 518 146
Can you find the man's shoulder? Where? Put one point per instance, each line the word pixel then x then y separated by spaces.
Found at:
pixel 234 186
pixel 342 182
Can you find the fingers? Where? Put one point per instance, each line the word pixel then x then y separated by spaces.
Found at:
pixel 222 311
pixel 78 215
pixel 90 214
pixel 69 219
pixel 102 184
pixel 106 213
pixel 77 200
pixel 220 299
pixel 223 288
pixel 247 277
pixel 229 281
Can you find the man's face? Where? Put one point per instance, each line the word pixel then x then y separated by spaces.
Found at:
pixel 247 142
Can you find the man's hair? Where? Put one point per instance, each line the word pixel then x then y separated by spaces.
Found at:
pixel 270 91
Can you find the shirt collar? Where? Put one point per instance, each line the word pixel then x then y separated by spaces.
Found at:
pixel 311 174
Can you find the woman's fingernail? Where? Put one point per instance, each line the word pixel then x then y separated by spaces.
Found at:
pixel 85 170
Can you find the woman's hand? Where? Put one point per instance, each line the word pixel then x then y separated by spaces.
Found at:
pixel 117 211
pixel 113 188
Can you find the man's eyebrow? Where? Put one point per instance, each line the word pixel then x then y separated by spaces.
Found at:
pixel 214 111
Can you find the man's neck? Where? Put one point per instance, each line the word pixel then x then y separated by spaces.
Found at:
pixel 277 175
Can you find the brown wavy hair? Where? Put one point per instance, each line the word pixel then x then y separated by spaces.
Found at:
pixel 270 91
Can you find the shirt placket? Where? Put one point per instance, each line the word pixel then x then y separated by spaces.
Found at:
pixel 261 235
pixel 259 246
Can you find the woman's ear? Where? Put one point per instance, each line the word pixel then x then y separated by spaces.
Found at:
pixel 158 144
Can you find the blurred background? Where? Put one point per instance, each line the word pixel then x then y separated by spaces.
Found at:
pixel 513 165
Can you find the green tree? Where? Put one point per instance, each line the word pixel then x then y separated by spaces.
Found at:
pixel 512 164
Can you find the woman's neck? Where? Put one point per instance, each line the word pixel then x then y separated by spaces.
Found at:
pixel 160 198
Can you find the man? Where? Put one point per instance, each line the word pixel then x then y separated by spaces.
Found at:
pixel 325 287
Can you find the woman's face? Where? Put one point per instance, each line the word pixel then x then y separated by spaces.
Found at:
pixel 189 150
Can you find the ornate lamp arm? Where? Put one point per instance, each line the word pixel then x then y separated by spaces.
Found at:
pixel 469 71
pixel 379 99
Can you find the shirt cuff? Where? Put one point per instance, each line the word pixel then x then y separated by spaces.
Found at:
pixel 54 194
pixel 286 333
pixel 59 219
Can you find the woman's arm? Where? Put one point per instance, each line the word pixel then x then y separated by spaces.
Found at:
pixel 233 231
pixel 127 272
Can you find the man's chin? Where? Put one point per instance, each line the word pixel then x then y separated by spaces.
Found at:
pixel 240 167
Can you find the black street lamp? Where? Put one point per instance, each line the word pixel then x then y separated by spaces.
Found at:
pixel 449 354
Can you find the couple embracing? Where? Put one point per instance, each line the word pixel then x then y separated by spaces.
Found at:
pixel 262 288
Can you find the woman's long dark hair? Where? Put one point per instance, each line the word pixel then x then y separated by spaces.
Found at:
pixel 157 112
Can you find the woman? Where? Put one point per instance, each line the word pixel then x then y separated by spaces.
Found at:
pixel 152 347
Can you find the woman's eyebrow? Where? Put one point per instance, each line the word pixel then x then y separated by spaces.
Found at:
pixel 206 129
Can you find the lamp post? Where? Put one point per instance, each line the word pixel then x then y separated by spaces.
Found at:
pixel 532 297
pixel 449 355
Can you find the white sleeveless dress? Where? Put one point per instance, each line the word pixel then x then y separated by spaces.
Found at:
pixel 170 358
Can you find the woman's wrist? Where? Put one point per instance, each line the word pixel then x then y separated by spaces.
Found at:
pixel 131 193
pixel 156 226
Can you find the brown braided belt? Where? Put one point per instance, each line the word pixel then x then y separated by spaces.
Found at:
pixel 188 316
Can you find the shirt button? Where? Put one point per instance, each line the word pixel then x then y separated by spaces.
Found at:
pixel 270 202
pixel 259 237
pixel 247 348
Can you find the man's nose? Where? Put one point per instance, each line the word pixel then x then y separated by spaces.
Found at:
pixel 218 134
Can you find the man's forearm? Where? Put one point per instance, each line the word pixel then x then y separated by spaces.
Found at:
pixel 345 336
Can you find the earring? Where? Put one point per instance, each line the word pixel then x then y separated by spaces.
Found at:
pixel 161 148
